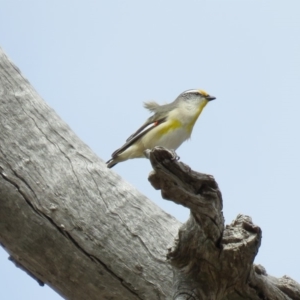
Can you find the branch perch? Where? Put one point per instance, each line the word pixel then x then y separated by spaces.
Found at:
pixel 71 223
pixel 66 219
pixel 211 261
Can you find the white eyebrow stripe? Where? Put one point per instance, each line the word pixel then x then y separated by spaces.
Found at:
pixel 191 91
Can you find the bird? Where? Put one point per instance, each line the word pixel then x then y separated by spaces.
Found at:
pixel 169 126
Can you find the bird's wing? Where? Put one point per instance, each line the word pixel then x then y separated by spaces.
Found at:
pixel 151 123
pixel 156 119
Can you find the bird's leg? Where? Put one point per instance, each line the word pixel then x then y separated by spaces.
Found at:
pixel 147 153
pixel 174 154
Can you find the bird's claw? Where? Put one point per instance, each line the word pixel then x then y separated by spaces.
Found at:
pixel 174 155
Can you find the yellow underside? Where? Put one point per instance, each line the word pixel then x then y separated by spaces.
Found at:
pixel 193 121
pixel 173 131
pixel 172 125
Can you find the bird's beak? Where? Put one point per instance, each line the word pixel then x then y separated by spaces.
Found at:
pixel 210 98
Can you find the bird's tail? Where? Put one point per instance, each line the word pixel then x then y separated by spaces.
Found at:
pixel 111 163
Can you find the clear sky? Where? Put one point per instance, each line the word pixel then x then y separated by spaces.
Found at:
pixel 95 62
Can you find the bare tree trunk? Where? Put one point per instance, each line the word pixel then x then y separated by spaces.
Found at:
pixel 66 218
pixel 71 223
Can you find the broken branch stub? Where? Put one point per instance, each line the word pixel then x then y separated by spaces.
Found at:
pixel 209 260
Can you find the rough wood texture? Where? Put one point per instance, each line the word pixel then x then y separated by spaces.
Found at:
pixel 208 260
pixel 70 222
pixel 67 219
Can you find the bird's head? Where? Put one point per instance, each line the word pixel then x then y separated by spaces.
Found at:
pixel 195 98
pixel 190 105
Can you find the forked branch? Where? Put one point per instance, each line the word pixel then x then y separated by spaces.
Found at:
pixel 209 260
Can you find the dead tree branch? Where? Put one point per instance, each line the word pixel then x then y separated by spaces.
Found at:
pixel 73 224
pixel 208 260
pixel 64 217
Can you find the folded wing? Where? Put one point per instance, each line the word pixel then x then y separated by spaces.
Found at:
pixel 151 123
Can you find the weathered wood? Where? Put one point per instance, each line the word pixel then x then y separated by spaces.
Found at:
pixel 73 224
pixel 64 217
pixel 208 260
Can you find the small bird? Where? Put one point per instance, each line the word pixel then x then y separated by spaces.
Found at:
pixel 169 126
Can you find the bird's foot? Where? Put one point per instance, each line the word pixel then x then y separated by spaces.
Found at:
pixel 174 155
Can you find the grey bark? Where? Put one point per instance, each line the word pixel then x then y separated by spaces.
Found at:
pixel 67 219
pixel 73 224
pixel 208 260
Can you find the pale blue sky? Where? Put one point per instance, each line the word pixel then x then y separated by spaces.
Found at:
pixel 95 62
